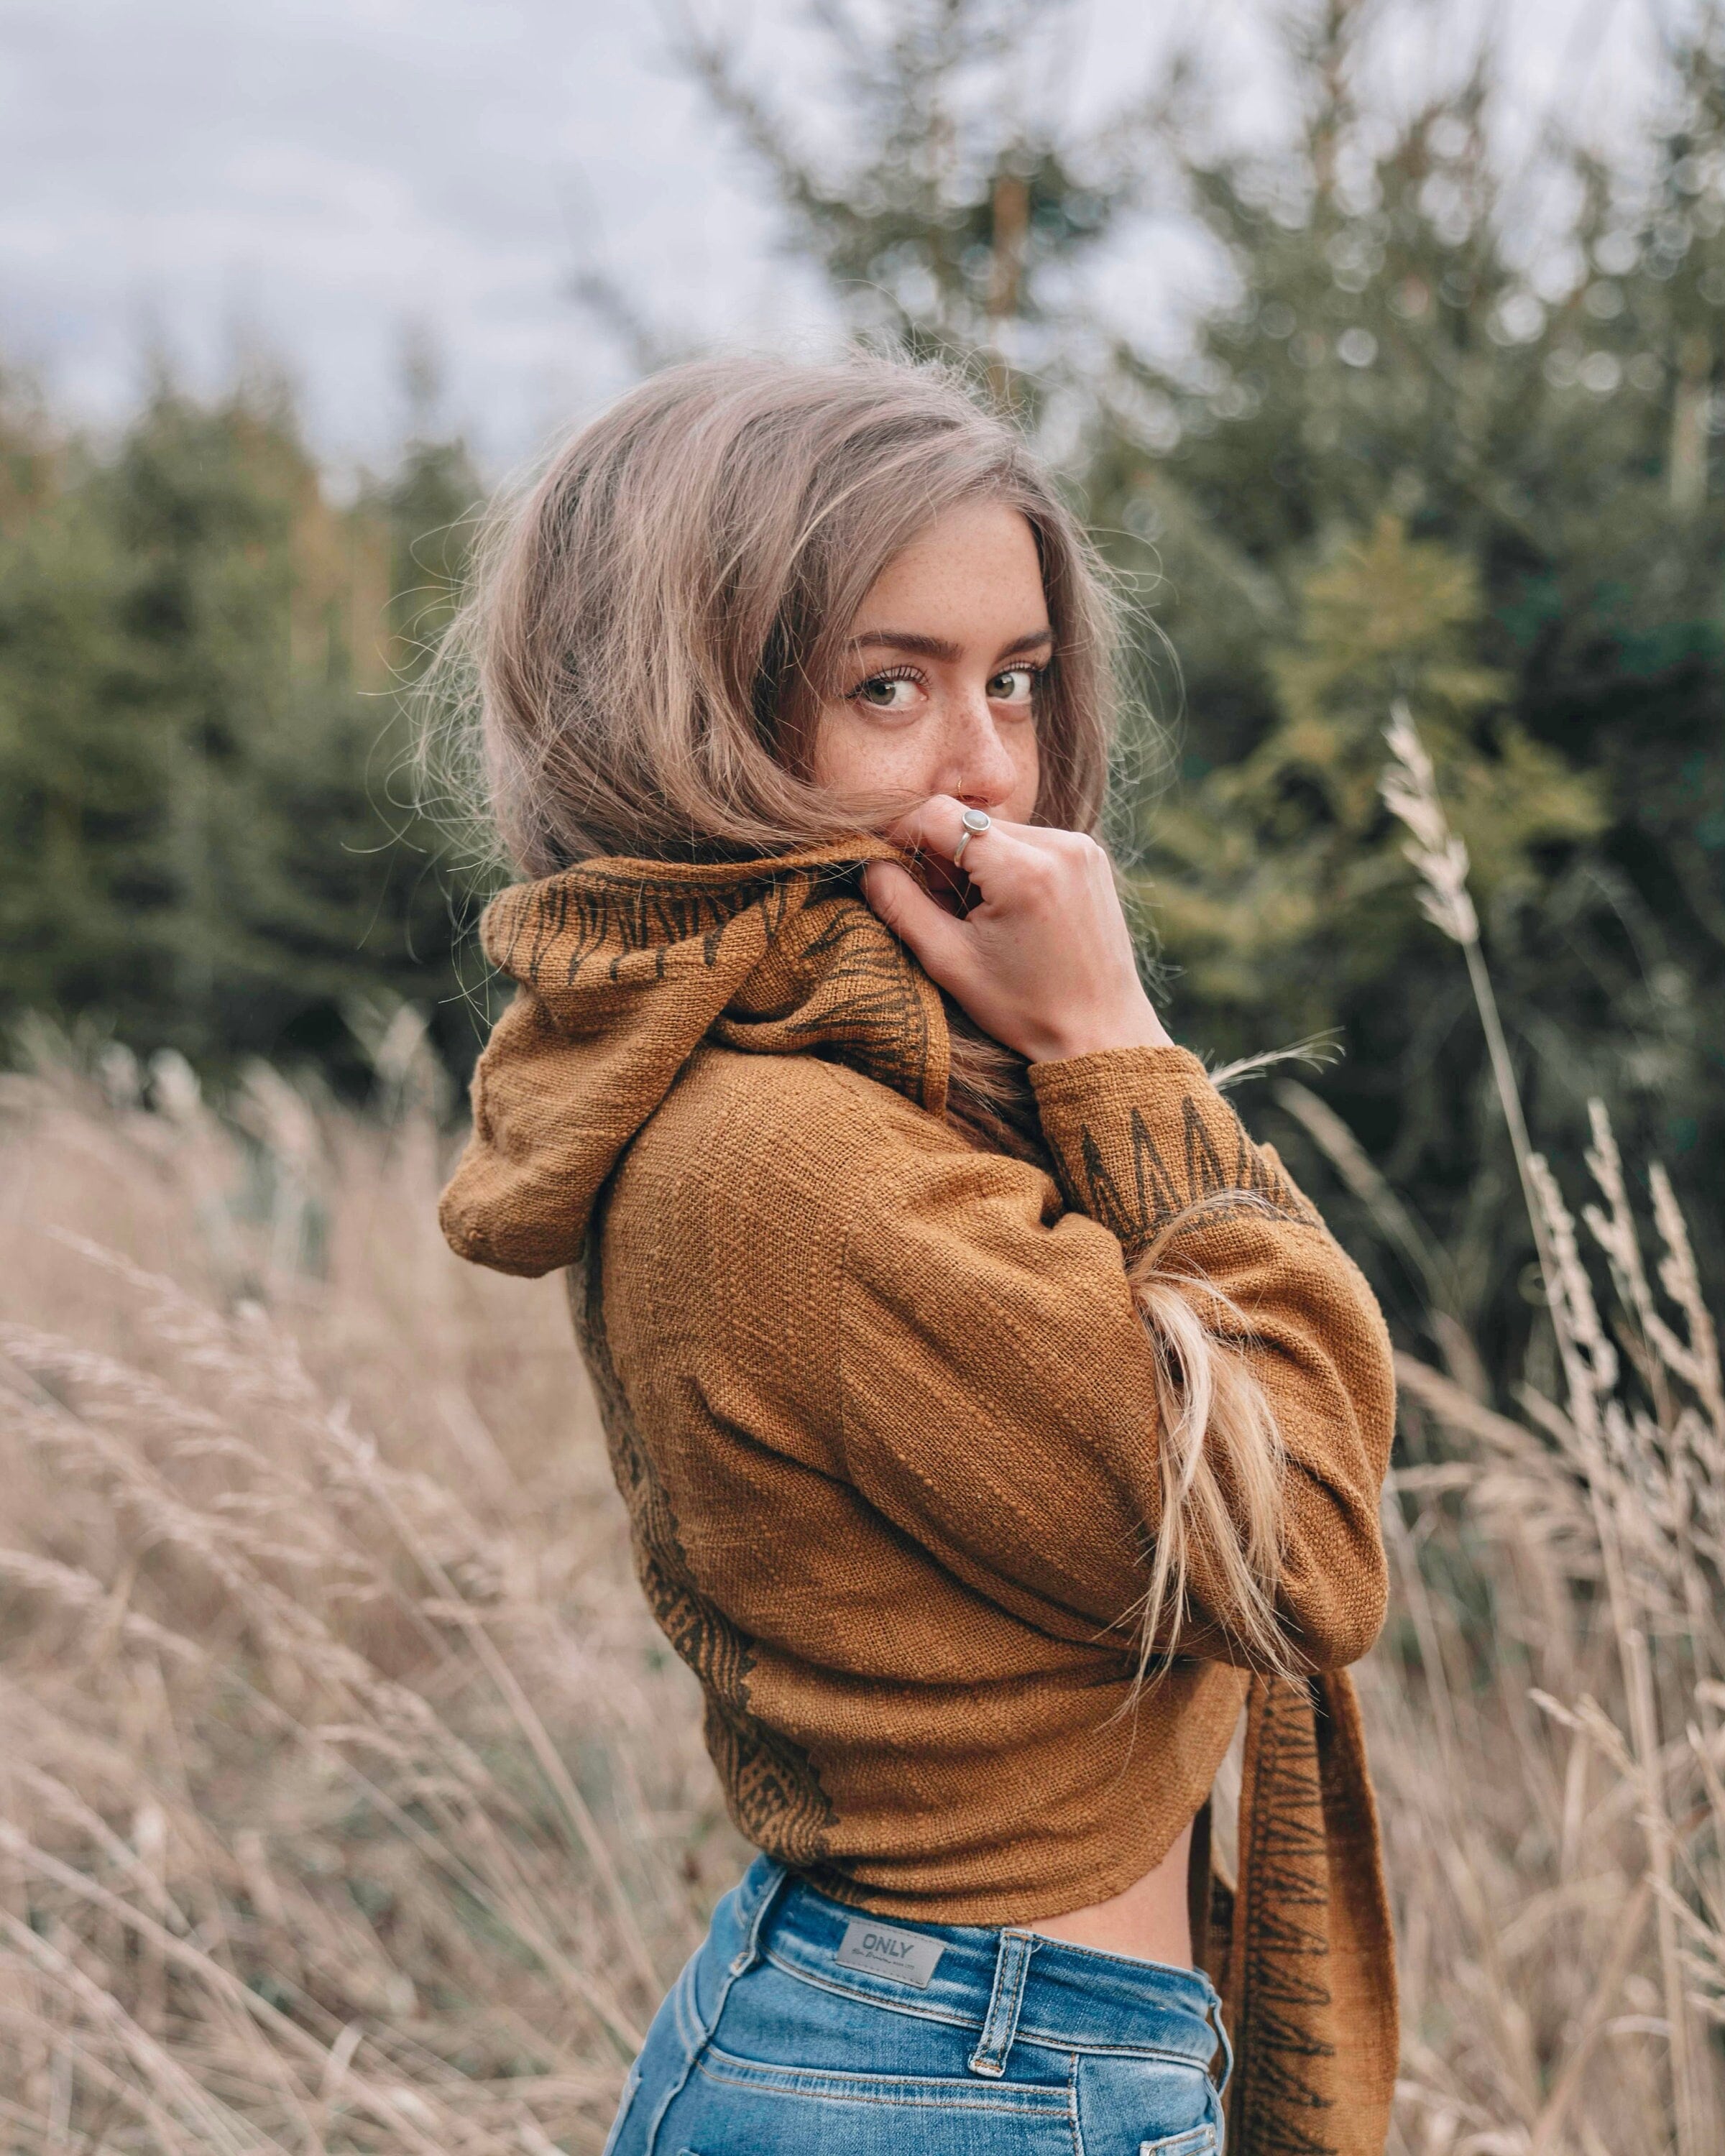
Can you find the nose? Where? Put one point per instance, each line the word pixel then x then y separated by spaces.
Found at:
pixel 979 769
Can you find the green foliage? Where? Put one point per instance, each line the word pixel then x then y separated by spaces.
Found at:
pixel 945 224
pixel 1284 884
pixel 204 842
pixel 1447 431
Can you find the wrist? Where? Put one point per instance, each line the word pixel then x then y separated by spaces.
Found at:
pixel 1137 1027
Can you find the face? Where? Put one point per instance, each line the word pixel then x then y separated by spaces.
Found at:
pixel 942 662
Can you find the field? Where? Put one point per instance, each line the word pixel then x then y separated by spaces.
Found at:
pixel 352 1802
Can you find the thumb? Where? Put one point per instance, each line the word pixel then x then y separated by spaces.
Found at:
pixel 937 939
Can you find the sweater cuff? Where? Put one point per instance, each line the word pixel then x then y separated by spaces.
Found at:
pixel 1140 1136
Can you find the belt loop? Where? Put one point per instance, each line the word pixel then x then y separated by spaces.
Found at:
pixel 749 1953
pixel 1012 1965
pixel 1214 2015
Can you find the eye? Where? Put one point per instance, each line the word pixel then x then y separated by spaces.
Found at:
pixel 888 692
pixel 1016 685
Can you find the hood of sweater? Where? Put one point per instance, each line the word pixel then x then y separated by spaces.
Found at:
pixel 623 968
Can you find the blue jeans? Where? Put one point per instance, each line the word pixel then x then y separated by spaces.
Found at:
pixel 802 2029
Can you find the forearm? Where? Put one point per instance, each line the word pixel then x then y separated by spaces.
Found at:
pixel 1146 1145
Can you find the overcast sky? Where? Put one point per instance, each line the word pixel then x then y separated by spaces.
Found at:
pixel 326 179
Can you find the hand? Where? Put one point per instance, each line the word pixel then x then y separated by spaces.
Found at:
pixel 1044 963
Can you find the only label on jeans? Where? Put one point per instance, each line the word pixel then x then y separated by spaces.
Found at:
pixel 904 1957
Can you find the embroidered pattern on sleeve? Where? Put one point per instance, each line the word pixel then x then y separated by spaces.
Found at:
pixel 1137 1192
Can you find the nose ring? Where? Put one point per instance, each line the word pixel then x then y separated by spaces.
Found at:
pixel 976 822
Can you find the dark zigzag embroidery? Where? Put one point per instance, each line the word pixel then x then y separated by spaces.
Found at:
pixel 1101 1196
pixel 862 989
pixel 599 907
pixel 1156 1197
pixel 775 1795
pixel 594 908
pixel 882 1012
pixel 1253 1172
pixel 605 914
pixel 1204 1174
pixel 1280 2107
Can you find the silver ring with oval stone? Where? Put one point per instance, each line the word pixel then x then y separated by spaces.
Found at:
pixel 976 822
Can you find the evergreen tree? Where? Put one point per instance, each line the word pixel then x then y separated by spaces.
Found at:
pixel 203 844
pixel 1391 350
pixel 1408 451
pixel 1287 882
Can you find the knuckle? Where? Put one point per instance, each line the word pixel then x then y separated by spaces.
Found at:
pixel 1076 859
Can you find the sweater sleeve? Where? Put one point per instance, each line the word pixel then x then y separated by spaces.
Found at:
pixel 996 1385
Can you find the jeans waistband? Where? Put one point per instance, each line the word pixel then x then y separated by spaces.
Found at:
pixel 1010 1985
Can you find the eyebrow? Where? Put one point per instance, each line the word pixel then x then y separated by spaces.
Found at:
pixel 938 648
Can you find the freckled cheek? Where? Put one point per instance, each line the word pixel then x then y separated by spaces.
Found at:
pixel 1027 782
pixel 838 753
pixel 901 761
pixel 851 755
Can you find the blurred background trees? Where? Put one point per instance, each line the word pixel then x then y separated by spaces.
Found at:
pixel 1431 418
pixel 205 839
pixel 1446 430
pixel 1446 426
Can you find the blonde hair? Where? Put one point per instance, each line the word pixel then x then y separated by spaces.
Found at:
pixel 649 628
pixel 1220 1462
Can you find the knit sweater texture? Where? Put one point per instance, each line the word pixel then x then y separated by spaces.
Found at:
pixel 884 1414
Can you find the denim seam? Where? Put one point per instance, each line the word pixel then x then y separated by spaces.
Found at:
pixel 1084 2045
pixel 631 2086
pixel 1134 1964
pixel 745 1957
pixel 1195 2141
pixel 840 1991
pixel 1224 2047
pixel 1020 2099
pixel 683 2011
pixel 1048 2039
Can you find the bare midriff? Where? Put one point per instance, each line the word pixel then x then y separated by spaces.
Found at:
pixel 1149 1920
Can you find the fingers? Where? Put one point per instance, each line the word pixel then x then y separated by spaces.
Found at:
pixel 938 942
pixel 936 827
pixel 1044 963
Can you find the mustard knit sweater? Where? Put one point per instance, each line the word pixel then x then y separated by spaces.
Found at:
pixel 884 1414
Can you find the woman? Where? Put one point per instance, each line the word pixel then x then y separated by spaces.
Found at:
pixel 996 1420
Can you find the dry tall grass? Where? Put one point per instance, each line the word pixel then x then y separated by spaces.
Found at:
pixel 351 1799
pixel 348 1800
